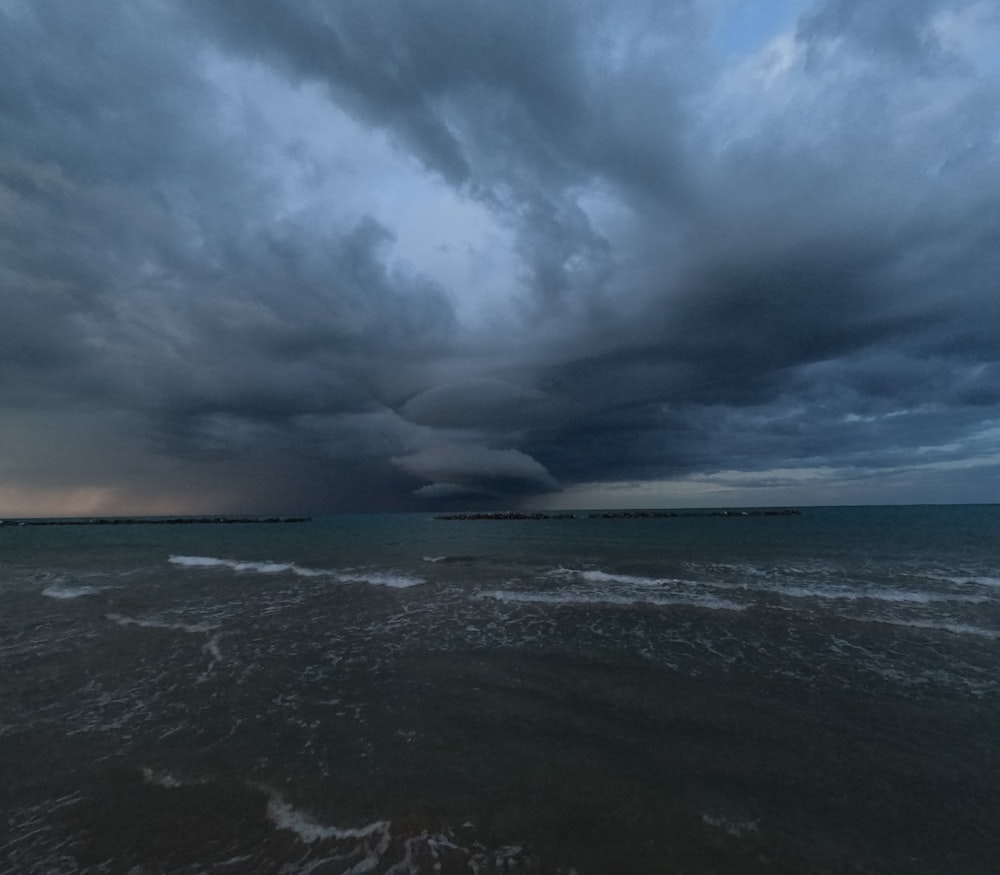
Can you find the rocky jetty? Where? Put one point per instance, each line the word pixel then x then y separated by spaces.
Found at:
pixel 619 514
pixel 153 521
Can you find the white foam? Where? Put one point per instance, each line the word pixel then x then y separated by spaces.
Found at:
pixel 197 561
pixel 57 591
pixel 554 598
pixel 380 578
pixel 598 576
pixel 434 558
pixel 598 587
pixel 392 579
pixel 605 577
pixel 734 826
pixel 953 628
pixel 166 780
pixel 575 597
pixel 285 816
pixel 212 648
pixel 882 595
pixel 153 623
pixel 234 564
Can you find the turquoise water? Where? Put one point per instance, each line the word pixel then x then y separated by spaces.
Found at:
pixel 394 693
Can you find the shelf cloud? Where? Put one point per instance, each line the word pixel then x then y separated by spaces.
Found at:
pixel 312 256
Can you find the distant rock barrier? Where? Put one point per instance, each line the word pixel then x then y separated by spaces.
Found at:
pixel 619 514
pixel 154 521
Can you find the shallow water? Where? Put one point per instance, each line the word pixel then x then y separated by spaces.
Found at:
pixel 399 694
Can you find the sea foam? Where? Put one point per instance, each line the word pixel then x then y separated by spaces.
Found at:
pixel 153 623
pixel 953 628
pixel 597 576
pixel 58 591
pixel 234 564
pixel 880 595
pixel 378 578
pixel 284 816
pixel 392 579
pixel 577 597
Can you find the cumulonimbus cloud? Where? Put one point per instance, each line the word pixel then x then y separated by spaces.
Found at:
pixel 247 233
pixel 476 469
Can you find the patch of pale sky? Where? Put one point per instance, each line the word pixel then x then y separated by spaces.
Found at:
pixel 329 167
pixel 750 91
pixel 33 501
pixel 742 27
pixel 58 464
pixel 760 88
pixel 725 488
pixel 855 417
pixel 973 33
pixel 776 487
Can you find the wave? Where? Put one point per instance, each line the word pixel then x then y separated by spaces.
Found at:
pixel 393 579
pixel 369 847
pixel 880 595
pixel 451 559
pixel 379 578
pixel 981 581
pixel 235 564
pixel 763 581
pixel 953 628
pixel 166 780
pixel 576 597
pixel 284 816
pixel 597 576
pixel 599 586
pixel 61 592
pixel 153 623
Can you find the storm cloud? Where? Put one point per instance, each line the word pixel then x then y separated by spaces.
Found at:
pixel 312 256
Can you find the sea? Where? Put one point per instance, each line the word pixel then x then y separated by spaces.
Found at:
pixel 394 693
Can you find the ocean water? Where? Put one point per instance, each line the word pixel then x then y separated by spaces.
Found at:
pixel 398 694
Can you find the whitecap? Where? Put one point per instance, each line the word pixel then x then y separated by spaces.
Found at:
pixel 736 827
pixel 197 561
pixel 953 628
pixel 882 595
pixel 59 591
pixel 155 623
pixel 598 576
pixel 575 597
pixel 392 579
pixel 234 564
pixel 212 648
pixel 165 780
pixel 284 816
pixel 380 578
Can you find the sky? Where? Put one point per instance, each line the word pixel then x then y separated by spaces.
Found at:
pixel 304 257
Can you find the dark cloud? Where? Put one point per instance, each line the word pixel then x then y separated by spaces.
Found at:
pixel 483 402
pixel 476 469
pixel 373 255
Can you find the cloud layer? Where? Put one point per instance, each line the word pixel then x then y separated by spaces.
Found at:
pixel 355 255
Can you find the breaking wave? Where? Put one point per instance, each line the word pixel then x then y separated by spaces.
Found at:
pixel 153 623
pixel 59 591
pixel 393 579
pixel 625 598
